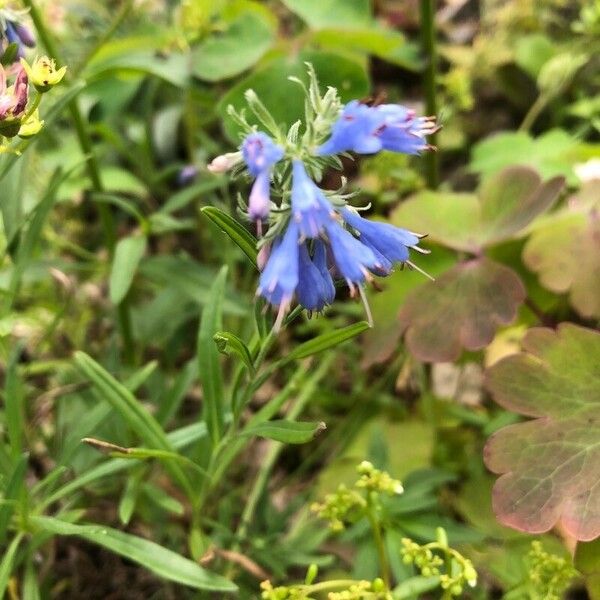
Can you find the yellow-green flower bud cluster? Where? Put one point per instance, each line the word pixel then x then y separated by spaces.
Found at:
pixel 340 507
pixel 374 480
pixel 430 560
pixel 549 575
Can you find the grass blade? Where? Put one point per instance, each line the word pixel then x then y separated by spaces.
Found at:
pixel 209 368
pixel 152 556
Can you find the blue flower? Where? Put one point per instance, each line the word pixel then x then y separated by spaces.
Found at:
pixel 352 259
pixel 315 287
pixel 19 34
pixel 368 129
pixel 354 130
pixel 311 211
pixel 390 244
pixel 260 153
pixel 279 279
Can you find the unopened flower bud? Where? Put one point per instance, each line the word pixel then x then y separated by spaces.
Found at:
pixel 224 162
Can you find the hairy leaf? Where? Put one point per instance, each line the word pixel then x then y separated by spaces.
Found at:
pixel 505 205
pixel 550 466
pixel 565 253
pixel 461 309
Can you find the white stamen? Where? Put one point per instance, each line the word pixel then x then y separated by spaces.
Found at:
pixel 365 302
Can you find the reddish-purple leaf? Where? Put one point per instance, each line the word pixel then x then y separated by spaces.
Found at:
pixel 461 309
pixel 550 466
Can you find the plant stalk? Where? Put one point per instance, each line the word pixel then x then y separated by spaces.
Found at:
pixel 429 51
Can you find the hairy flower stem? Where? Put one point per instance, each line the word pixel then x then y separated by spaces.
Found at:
pixel 428 46
pixel 93 169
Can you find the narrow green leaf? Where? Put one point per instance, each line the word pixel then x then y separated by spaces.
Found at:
pixel 132 411
pixel 6 564
pixel 11 492
pixel 288 432
pixel 128 253
pixel 13 402
pixel 155 558
pixel 228 342
pixel 326 341
pixel 243 238
pixel 31 589
pixel 130 496
pixel 209 368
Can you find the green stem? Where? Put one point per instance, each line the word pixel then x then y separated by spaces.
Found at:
pixel 378 539
pixel 428 46
pixel 534 112
pixel 93 169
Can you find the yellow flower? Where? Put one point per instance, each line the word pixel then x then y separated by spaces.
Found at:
pixel 32 126
pixel 43 73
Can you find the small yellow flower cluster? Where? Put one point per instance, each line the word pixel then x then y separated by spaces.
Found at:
pixel 549 575
pixel 373 479
pixel 429 562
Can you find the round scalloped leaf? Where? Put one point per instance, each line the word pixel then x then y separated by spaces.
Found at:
pixel 505 205
pixel 550 466
pixel 565 253
pixel 460 310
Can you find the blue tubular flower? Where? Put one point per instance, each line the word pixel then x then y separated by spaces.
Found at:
pixel 402 131
pixel 314 286
pixel 368 129
pixel 353 260
pixel 320 260
pixel 389 243
pixel 354 130
pixel 279 279
pixel 311 211
pixel 260 153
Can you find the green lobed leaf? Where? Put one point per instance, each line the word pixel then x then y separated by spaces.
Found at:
pixel 128 254
pixel 288 432
pixel 230 52
pixel 282 97
pixel 549 466
pixel 326 341
pixel 506 203
pixel 209 368
pixel 565 252
pixel 156 558
pixel 319 14
pixel 236 232
pixel 464 308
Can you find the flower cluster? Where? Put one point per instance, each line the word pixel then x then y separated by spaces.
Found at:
pixel 348 505
pixel 19 115
pixel 314 236
pixel 13 31
pixel 427 559
pixel 549 575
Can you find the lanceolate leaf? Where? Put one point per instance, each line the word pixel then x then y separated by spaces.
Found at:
pixel 550 466
pixel 150 555
pixel 234 230
pixel 461 309
pixel 208 359
pixel 128 253
pixel 288 432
